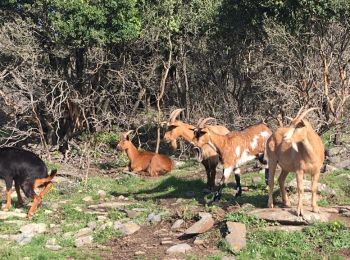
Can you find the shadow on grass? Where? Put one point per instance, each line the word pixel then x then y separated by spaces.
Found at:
pixel 177 187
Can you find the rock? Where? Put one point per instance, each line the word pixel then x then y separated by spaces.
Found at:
pixel 179 249
pixel 284 228
pixel 110 205
pixel 9 237
pixel 345 164
pixel 228 258
pixel 139 253
pixel 132 213
pixel 101 218
pixel 177 224
pixel 87 198
pixel 83 232
pixel 198 241
pixel 166 242
pixel 154 218
pixel 52 245
pixel 288 216
pixel 106 225
pixel 34 228
pixel 82 241
pixel 11 214
pixel 68 235
pixel 102 194
pixel 204 224
pixel 335 151
pixel 126 228
pixel 24 238
pixel 92 225
pixel 334 159
pixel 321 188
pixel 236 236
pixel 330 168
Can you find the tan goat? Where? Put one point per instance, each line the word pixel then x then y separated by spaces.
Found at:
pixel 297 148
pixel 145 161
pixel 209 157
pixel 235 148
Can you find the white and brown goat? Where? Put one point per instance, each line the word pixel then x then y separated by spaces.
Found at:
pixel 297 148
pixel 235 148
pixel 209 157
pixel 144 161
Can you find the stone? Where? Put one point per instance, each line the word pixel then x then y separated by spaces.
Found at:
pixel 330 168
pixel 334 159
pixel 34 228
pixel 228 258
pixel 68 234
pixel 335 151
pixel 83 232
pixel 82 241
pixel 177 224
pixel 11 214
pixel 92 225
pixel 204 224
pixel 9 237
pixel 198 241
pixel 110 205
pixel 52 245
pixel 284 228
pixel 236 236
pixel 179 249
pixel 154 218
pixel 139 253
pixel 345 164
pixel 127 228
pixel 101 218
pixel 24 238
pixel 288 216
pixel 87 198
pixel 102 194
pixel 132 213
pixel 321 188
pixel 166 242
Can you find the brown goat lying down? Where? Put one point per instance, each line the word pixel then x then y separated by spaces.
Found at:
pixel 144 161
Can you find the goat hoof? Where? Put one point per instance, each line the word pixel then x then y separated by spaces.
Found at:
pixel 316 209
pixel 238 193
pixel 217 196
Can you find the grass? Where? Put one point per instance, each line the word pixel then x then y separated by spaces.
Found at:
pixel 70 213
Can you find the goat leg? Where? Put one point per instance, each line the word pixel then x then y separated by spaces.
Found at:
pixel 238 183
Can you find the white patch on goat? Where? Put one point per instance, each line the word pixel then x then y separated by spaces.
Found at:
pixel 238 151
pixel 227 172
pixel 237 171
pixel 295 146
pixel 245 157
pixel 287 136
pixel 265 134
pixel 254 143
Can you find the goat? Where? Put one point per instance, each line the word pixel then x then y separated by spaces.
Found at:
pixel 146 161
pixel 297 148
pixel 209 157
pixel 234 148
pixel 28 172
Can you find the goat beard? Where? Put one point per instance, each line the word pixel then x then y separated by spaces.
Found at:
pixel 198 153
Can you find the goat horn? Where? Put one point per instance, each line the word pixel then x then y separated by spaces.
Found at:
pixel 174 114
pixel 203 122
pixel 300 110
pixel 127 133
pixel 305 113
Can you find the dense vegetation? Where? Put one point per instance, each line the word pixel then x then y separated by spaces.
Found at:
pixel 72 67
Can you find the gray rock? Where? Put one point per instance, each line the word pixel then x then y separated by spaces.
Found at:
pixel 132 213
pixel 24 238
pixel 288 216
pixel 345 164
pixel 34 228
pixel 284 228
pixel 177 224
pixel 126 228
pixel 330 168
pixel 334 159
pixel 321 188
pixel 102 194
pixel 92 225
pixel 335 151
pixel 179 249
pixel 236 236
pixel 83 232
pixel 52 245
pixel 110 205
pixel 9 237
pixel 204 224
pixel 11 214
pixel 82 241
pixel 154 218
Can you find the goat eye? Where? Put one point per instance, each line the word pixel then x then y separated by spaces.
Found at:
pixel 300 125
